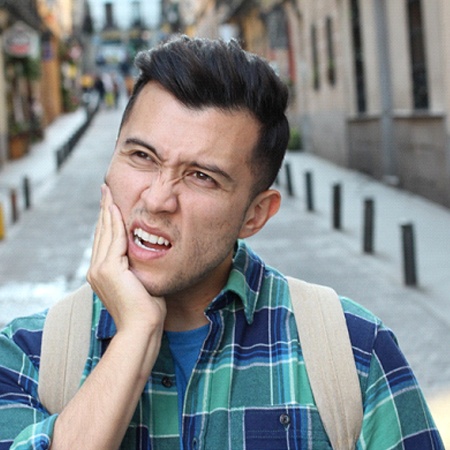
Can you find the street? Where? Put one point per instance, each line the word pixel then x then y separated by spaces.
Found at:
pixel 46 253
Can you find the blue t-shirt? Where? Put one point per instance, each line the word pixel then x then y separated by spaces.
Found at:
pixel 185 347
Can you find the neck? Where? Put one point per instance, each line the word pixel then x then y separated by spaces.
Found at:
pixel 184 316
pixel 186 309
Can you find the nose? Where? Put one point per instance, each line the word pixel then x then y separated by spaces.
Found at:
pixel 160 195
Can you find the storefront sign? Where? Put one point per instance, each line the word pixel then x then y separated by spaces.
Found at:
pixel 21 41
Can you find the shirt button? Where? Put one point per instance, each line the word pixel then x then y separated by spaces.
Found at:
pixel 194 443
pixel 285 420
pixel 167 382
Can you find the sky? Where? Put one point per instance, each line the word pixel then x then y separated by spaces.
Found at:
pixel 122 12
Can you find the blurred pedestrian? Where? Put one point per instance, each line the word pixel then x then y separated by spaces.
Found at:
pixel 99 88
pixel 87 82
pixel 116 90
pixel 109 89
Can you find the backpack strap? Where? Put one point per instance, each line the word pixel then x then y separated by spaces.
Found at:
pixel 65 348
pixel 329 360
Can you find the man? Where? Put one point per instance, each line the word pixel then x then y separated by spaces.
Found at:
pixel 194 342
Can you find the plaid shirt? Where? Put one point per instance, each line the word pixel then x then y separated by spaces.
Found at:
pixel 249 389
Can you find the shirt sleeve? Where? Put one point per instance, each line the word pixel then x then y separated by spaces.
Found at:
pixel 24 422
pixel 396 415
pixel 35 437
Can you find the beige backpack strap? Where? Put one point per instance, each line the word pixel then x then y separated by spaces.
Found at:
pixel 65 347
pixel 329 360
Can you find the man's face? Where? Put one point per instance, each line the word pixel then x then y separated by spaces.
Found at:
pixel 182 181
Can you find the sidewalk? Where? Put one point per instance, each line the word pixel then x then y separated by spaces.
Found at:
pixel 39 165
pixel 393 207
pixel 44 254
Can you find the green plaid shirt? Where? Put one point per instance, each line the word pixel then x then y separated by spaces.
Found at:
pixel 249 389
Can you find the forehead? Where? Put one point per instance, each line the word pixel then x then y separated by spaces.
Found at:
pixel 158 118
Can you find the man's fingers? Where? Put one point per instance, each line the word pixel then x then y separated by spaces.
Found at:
pixel 97 233
pixel 118 245
pixel 107 232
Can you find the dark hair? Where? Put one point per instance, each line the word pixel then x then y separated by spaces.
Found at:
pixel 202 72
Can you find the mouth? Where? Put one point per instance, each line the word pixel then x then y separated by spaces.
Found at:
pixel 151 242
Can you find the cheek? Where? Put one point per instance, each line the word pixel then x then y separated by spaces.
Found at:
pixel 123 191
pixel 218 219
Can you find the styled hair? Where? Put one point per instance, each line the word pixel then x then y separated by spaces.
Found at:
pixel 213 73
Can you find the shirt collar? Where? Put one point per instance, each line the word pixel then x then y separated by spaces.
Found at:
pixel 244 281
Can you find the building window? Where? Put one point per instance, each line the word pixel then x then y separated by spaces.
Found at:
pixel 277 29
pixel 358 57
pixel 417 50
pixel 109 15
pixel 136 16
pixel 315 58
pixel 331 63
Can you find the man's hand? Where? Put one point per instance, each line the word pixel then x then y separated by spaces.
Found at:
pixel 110 276
pixel 99 414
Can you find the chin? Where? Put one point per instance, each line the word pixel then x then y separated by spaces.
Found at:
pixel 153 287
pixel 155 290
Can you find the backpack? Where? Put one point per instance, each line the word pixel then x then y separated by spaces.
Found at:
pixel 323 335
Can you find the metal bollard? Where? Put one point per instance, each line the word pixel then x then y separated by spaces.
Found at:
pixel 14 207
pixel 59 158
pixel 26 192
pixel 409 255
pixel 289 180
pixel 337 206
pixel 67 149
pixel 369 225
pixel 309 191
pixel 2 223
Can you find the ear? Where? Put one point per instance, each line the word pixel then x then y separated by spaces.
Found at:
pixel 263 207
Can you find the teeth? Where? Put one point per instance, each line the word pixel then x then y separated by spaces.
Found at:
pixel 151 238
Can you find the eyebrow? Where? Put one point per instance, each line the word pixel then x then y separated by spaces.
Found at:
pixel 208 167
pixel 140 142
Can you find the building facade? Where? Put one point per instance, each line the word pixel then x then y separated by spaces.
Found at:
pixel 374 89
pixel 122 28
pixel 40 55
pixel 370 86
pixel 20 28
pixel 124 14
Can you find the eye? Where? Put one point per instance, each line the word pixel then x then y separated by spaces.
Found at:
pixel 140 154
pixel 202 178
pixel 143 159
